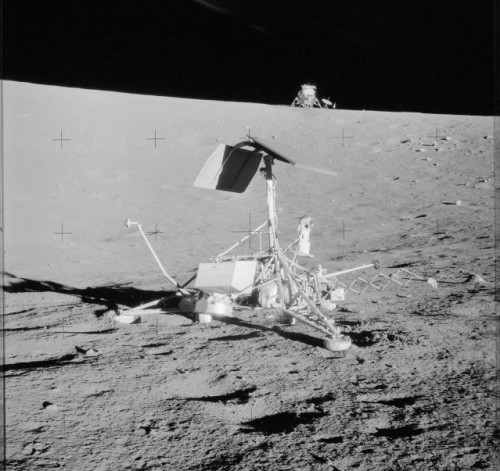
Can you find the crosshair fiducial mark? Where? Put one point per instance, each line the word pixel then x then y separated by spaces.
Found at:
pixel 343 230
pixel 62 233
pixel 61 139
pixel 156 138
pixel 156 232
pixel 439 232
pixel 250 232
pixel 343 137
pixel 436 135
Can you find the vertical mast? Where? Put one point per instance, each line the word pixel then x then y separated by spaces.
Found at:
pixel 271 206
pixel 272 223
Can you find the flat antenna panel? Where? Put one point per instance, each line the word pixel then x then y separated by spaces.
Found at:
pixel 272 148
pixel 278 151
pixel 229 169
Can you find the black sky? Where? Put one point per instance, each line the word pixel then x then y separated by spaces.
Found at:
pixel 433 56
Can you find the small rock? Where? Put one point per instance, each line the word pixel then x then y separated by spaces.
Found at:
pixel 459 203
pixel 475 336
pixel 478 280
pixel 420 150
pixel 40 447
pixel 28 449
pixel 327 354
pixel 350 359
pixel 140 464
pixel 311 408
pixel 428 159
pixel 103 465
pixel 80 350
pixel 49 406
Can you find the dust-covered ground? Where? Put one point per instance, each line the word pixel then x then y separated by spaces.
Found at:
pixel 415 392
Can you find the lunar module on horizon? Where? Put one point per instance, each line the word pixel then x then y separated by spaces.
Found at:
pixel 274 277
pixel 306 98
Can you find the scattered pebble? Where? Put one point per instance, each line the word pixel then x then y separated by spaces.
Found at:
pixel 350 360
pixel 480 280
pixel 92 352
pixel 28 449
pixel 40 447
pixel 49 406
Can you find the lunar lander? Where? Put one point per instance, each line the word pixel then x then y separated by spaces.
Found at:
pixel 306 98
pixel 273 278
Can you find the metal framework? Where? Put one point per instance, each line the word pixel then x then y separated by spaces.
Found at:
pixel 306 98
pixel 280 281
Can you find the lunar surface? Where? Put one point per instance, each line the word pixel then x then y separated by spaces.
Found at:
pixel 416 391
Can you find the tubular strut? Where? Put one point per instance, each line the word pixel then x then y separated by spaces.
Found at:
pixel 129 223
